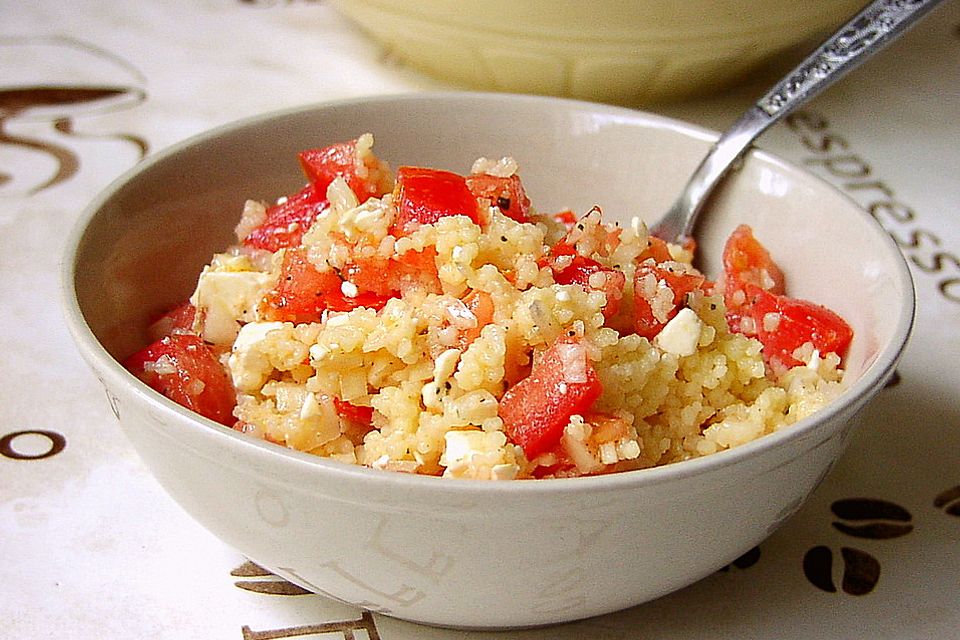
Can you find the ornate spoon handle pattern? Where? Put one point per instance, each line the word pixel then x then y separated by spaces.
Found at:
pixel 869 31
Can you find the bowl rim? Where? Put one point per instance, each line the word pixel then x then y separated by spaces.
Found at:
pixel 104 365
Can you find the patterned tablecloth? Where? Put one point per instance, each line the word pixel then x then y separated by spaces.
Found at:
pixel 91 547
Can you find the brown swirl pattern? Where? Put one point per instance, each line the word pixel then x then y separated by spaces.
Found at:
pixel 58 100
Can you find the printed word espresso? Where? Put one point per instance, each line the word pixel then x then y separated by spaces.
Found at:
pixel 922 247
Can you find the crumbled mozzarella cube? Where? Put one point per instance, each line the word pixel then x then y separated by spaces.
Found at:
pixel 477 454
pixel 249 366
pixel 445 365
pixel 223 299
pixel 681 335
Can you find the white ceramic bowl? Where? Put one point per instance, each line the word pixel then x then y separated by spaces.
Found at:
pixel 627 51
pixel 476 553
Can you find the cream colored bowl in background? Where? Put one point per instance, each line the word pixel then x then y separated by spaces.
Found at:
pixel 459 552
pixel 635 52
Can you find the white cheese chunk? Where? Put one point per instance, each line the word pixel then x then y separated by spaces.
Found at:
pixel 248 364
pixel 681 335
pixel 224 299
pixel 477 454
pixel 445 365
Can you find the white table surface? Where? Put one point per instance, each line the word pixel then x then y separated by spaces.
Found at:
pixel 91 547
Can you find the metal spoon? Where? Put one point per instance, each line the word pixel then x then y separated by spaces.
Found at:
pixel 878 24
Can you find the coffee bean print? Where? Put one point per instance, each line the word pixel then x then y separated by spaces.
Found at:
pixel 745 561
pixel 818 568
pixel 949 501
pixel 271 584
pixel 868 518
pixel 876 519
pixel 861 571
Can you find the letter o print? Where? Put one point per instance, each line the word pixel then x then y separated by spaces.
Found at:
pixel 55 444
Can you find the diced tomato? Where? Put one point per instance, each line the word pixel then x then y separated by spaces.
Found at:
pixel 322 166
pixel 186 370
pixel 506 194
pixel 567 218
pixel 423 196
pixel 416 269
pixel 646 323
pixel 656 249
pixel 374 274
pixel 536 409
pixel 480 305
pixel 569 267
pixel 753 288
pixel 287 221
pixel 303 293
pixel 783 324
pixel 176 320
pixel 390 277
pixel 359 419
pixel 746 261
pixel 354 413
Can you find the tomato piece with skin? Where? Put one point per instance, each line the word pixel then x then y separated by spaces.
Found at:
pixel 288 220
pixel 679 283
pixel 176 320
pixel 391 276
pixel 783 324
pixel 424 196
pixel 480 304
pixel 358 420
pixel 354 413
pixel 753 291
pixel 322 166
pixel 302 292
pixel 746 261
pixel 535 410
pixel 569 267
pixel 656 249
pixel 506 194
pixel 185 369
pixel 567 218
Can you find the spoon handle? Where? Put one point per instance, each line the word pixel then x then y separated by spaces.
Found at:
pixel 874 27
